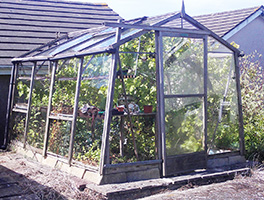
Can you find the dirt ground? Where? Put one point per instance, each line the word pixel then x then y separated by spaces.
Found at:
pixel 21 178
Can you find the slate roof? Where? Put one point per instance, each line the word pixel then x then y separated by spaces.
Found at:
pixel 27 24
pixel 223 22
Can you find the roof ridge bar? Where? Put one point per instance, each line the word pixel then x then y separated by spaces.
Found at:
pixel 156 28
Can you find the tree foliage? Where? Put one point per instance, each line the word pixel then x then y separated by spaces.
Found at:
pixel 252 90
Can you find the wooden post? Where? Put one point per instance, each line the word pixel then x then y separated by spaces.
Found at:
pixel 240 113
pixel 160 98
pixel 205 92
pixel 10 103
pixel 75 109
pixel 29 102
pixel 52 82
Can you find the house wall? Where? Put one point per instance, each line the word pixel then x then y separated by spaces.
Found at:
pixel 251 37
pixel 4 87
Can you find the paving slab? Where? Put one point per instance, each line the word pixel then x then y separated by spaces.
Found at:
pixel 139 189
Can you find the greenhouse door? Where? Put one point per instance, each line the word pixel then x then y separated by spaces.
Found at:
pixel 183 97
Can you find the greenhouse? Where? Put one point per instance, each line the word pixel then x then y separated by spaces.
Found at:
pixel 140 99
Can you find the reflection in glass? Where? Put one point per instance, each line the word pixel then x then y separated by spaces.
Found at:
pixel 92 102
pixel 223 129
pixel 183 66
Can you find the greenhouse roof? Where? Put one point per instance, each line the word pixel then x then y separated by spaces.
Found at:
pixel 103 39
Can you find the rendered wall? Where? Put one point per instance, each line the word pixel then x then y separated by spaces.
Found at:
pixel 250 38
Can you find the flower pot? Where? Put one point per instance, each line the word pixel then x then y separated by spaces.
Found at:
pixel 148 109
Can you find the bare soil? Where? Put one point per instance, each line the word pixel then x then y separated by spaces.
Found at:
pixel 22 178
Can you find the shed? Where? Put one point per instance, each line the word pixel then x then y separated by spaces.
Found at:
pixel 139 99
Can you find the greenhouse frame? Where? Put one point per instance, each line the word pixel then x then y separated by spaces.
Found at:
pixel 140 99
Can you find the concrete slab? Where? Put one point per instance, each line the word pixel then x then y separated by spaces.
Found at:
pixel 139 189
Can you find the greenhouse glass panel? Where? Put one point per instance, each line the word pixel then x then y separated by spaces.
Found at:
pixel 18 126
pixel 21 97
pixel 93 41
pixel 183 66
pixel 184 125
pixel 59 139
pixel 138 133
pixel 92 102
pixel 69 44
pixel 39 103
pixel 223 124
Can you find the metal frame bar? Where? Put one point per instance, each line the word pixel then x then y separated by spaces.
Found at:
pixel 240 112
pixel 124 52
pixel 45 45
pixel 219 39
pixel 46 136
pixel 158 135
pixel 161 104
pixel 183 95
pixel 33 73
pixel 75 109
pixel 108 109
pixel 205 107
pixel 9 104
pixel 156 28
pixel 108 115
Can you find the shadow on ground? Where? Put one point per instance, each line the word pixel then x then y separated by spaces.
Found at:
pixel 17 186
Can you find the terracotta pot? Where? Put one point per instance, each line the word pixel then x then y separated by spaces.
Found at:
pixel 148 109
